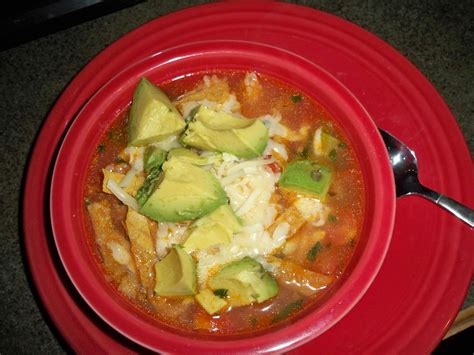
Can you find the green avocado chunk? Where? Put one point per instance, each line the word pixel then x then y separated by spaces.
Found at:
pixel 152 116
pixel 206 236
pixel 222 132
pixel 329 143
pixel 176 274
pixel 186 192
pixel 306 177
pixel 215 228
pixel 223 215
pixel 246 281
pixel 210 302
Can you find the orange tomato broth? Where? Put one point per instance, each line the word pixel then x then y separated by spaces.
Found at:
pixel 343 226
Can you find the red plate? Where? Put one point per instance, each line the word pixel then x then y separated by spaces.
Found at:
pixel 429 265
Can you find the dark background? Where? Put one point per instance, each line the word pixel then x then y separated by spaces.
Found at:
pixel 437 36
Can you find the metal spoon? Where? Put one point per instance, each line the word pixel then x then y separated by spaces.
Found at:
pixel 405 170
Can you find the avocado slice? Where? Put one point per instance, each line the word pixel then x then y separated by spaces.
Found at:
pixel 223 215
pixel 306 177
pixel 152 116
pixel 222 132
pixel 176 274
pixel 217 227
pixel 220 120
pixel 246 282
pixel 210 302
pixel 186 192
pixel 206 236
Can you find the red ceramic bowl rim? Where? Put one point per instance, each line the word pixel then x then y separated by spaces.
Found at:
pixel 68 175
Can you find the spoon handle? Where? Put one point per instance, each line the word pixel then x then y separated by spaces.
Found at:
pixel 462 212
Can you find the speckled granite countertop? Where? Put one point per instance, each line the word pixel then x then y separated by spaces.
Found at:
pixel 437 36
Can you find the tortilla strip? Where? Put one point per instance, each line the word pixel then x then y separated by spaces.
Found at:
pixel 114 248
pixel 292 216
pixel 298 246
pixel 142 247
pixel 301 280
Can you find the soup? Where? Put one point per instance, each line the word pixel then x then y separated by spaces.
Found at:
pixel 223 203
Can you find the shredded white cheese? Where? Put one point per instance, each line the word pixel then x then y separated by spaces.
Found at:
pixel 312 210
pixel 249 184
pixel 122 195
pixel 168 234
pixel 136 161
pixel 278 148
pixel 281 232
pixel 119 253
pixel 317 142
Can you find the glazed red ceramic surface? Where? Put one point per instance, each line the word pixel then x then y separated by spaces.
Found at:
pixel 429 265
pixel 82 138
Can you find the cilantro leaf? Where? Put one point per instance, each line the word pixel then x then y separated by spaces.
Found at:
pixel 315 249
pixel 296 98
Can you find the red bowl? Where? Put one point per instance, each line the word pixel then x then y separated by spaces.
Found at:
pixel 67 211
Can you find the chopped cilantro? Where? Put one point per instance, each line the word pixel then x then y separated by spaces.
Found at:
pixel 332 218
pixel 253 321
pixel 333 154
pixel 288 310
pixel 221 292
pixel 342 145
pixel 120 160
pixel 87 201
pixel 101 148
pixel 296 98
pixel 110 134
pixel 311 255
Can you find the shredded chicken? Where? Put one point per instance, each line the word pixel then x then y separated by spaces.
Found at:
pixel 213 92
pixel 253 88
